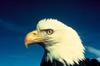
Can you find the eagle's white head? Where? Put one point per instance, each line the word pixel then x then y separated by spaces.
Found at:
pixel 62 42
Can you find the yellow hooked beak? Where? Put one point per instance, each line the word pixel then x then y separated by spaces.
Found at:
pixel 32 37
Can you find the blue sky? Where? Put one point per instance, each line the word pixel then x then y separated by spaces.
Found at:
pixel 18 17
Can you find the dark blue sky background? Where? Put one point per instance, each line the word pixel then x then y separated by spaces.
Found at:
pixel 18 17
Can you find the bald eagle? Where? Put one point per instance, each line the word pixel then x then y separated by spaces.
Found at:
pixel 62 44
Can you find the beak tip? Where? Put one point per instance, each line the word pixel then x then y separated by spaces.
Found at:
pixel 26 45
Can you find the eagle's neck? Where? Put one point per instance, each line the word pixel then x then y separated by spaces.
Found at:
pixel 66 53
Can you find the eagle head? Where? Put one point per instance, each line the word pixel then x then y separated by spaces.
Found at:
pixel 62 42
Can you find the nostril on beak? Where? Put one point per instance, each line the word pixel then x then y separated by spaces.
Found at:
pixel 34 33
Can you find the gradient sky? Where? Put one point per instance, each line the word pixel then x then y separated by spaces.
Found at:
pixel 18 17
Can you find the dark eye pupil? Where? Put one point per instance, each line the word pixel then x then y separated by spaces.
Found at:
pixel 50 31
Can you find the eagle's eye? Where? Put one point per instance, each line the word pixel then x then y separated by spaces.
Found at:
pixel 49 31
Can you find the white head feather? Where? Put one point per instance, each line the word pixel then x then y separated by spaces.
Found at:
pixel 65 43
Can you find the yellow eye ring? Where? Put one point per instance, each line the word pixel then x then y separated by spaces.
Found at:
pixel 49 31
